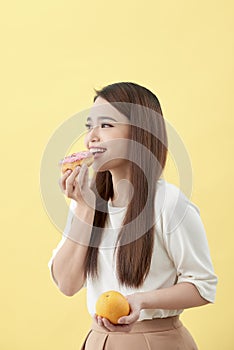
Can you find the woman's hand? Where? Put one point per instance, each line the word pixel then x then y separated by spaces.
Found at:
pixel 125 323
pixel 75 185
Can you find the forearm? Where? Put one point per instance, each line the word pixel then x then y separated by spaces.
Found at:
pixel 180 296
pixel 68 264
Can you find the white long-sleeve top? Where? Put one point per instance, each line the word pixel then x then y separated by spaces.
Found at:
pixel 180 254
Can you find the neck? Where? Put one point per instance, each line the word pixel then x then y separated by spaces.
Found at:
pixel 122 188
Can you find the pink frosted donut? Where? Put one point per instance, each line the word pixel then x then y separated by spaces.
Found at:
pixel 75 159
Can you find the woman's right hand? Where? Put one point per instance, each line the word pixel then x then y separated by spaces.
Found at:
pixel 75 185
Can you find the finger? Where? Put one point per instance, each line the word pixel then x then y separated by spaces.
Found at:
pixel 62 180
pixel 124 320
pixel 100 322
pixel 74 174
pixel 115 328
pixel 133 317
pixel 82 176
pixel 70 182
pixel 81 182
pixel 107 324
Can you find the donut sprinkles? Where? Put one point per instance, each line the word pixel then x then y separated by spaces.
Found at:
pixel 76 159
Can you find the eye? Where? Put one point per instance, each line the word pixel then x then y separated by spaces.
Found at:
pixel 88 126
pixel 106 125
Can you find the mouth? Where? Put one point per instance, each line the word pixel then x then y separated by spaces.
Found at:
pixel 96 151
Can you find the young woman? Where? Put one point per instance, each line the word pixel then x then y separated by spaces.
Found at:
pixel 131 231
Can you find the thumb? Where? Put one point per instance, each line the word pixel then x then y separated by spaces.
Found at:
pixel 133 317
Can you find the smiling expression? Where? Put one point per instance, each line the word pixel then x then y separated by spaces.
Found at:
pixel 107 136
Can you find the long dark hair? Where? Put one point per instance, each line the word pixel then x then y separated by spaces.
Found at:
pixel 136 238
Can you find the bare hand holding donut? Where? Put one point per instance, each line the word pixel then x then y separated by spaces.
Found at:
pixel 75 185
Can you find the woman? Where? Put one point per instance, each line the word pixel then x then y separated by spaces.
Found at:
pixel 130 230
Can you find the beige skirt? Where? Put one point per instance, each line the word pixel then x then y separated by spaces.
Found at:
pixel 157 334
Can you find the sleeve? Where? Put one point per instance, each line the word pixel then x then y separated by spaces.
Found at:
pixel 187 246
pixel 64 237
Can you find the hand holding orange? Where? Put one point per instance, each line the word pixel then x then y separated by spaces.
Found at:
pixel 112 305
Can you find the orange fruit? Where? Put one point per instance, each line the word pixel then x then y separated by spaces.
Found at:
pixel 112 305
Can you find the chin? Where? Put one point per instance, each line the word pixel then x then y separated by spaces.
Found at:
pixel 111 165
pixel 99 167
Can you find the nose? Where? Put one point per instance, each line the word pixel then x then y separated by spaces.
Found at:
pixel 94 134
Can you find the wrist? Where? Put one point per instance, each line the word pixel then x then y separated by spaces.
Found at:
pixel 140 297
pixel 81 225
pixel 83 210
pixel 85 204
pixel 148 300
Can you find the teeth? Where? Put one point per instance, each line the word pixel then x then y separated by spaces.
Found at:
pixel 97 150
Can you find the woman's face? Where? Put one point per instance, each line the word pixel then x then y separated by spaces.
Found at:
pixel 107 136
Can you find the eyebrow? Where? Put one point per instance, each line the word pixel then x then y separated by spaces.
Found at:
pixel 102 118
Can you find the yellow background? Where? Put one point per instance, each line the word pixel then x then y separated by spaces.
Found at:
pixel 53 53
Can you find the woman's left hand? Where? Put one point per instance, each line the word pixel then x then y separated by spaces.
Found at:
pixel 125 323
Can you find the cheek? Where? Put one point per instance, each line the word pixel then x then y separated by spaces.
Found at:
pixel 119 148
pixel 126 132
pixel 86 140
pixel 118 134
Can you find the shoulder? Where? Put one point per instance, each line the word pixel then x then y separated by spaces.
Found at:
pixel 172 204
pixel 168 195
